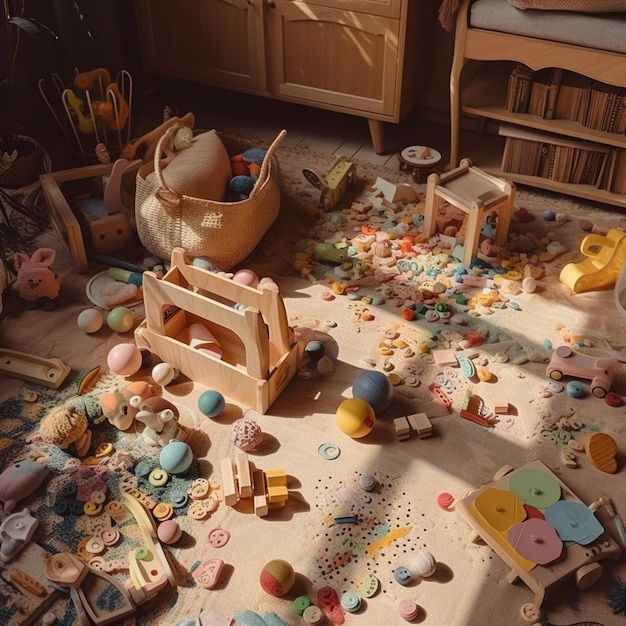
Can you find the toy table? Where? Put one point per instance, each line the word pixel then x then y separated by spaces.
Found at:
pixel 487 509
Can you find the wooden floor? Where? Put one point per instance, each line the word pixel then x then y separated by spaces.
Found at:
pixel 326 131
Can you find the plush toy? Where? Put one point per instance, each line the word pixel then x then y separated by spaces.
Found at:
pixel 66 428
pixel 246 169
pixel 36 283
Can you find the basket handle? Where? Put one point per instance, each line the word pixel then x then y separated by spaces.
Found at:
pixel 265 166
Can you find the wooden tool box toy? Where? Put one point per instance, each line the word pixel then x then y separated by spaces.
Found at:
pixel 257 355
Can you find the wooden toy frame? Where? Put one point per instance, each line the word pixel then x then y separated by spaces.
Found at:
pixel 576 560
pixel 259 356
pixel 64 220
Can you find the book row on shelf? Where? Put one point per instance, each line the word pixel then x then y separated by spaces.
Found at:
pixel 554 93
pixel 533 153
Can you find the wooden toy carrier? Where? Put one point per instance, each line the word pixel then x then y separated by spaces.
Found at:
pixel 259 358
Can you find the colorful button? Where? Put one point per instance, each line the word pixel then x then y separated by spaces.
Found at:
pixel 402 575
pixel 158 477
pixel 350 601
pixel 369 585
pixel 300 605
pixel 328 451
pixel 218 537
pixel 313 615
pixel 407 609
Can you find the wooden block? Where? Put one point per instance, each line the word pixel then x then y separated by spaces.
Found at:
pixel 260 494
pixel 445 358
pixel 500 405
pixel 229 487
pixel 402 428
pixel 244 477
pixel 277 495
pixel 421 424
pixel 276 478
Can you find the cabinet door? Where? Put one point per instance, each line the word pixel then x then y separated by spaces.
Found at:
pixel 219 42
pixel 345 60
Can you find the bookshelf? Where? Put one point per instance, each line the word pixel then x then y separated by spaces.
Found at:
pixel 484 96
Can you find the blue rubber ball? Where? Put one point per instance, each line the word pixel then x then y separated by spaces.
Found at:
pixel 375 388
pixel 211 403
pixel 176 457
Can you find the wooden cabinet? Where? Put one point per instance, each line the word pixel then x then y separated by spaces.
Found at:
pixel 360 57
pixel 217 42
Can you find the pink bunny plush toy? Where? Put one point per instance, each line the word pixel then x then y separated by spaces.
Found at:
pixel 36 283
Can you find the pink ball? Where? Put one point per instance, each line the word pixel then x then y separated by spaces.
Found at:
pixel 246 277
pixel 169 532
pixel 124 359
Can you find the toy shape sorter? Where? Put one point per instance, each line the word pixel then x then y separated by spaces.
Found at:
pixel 259 354
pixel 539 528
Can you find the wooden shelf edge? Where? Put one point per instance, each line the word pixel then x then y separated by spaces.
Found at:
pixel 554 127
pixel 582 192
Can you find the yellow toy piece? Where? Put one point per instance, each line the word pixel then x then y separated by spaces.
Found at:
pixel 605 254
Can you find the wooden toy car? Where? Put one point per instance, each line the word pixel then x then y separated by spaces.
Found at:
pixel 568 362
pixel 340 176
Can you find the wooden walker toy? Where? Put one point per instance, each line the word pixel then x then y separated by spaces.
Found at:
pixel 566 542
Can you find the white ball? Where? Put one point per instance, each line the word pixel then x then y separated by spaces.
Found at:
pixel 423 563
pixel 164 373
pixel 90 320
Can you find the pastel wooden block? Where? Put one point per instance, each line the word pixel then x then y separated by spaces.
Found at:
pixel 500 405
pixel 276 478
pixel 445 358
pixel 420 424
pixel 229 487
pixel 277 495
pixel 402 428
pixel 244 476
pixel 260 494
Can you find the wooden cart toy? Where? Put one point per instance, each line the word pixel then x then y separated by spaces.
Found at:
pixel 259 355
pixel 539 528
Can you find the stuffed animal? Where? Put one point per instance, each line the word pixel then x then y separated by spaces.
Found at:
pixel 246 169
pixel 36 283
pixel 66 428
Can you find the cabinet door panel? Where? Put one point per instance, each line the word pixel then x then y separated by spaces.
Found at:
pixel 389 8
pixel 338 58
pixel 212 41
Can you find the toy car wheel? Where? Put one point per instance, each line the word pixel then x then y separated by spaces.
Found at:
pixel 556 374
pixel 598 392
pixel 588 575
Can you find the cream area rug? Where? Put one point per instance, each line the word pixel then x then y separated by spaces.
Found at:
pixel 359 313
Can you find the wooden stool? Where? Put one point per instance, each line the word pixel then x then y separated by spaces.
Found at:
pixel 474 193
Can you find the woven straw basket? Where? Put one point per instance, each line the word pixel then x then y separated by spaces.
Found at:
pixel 225 233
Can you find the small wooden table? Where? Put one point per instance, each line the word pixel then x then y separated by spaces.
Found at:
pixel 418 160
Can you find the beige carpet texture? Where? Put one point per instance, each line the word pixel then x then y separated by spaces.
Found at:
pixel 380 520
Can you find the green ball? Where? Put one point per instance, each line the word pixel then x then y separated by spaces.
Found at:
pixel 120 319
pixel 211 403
